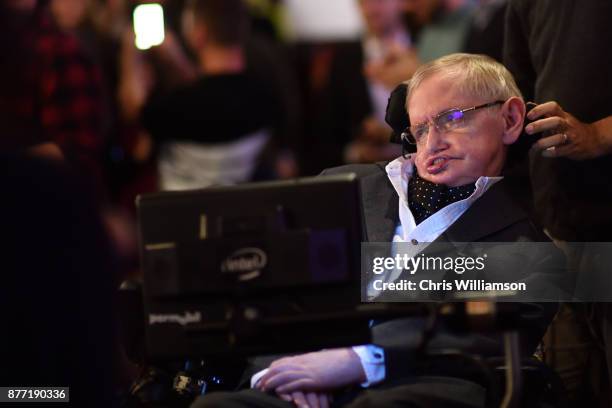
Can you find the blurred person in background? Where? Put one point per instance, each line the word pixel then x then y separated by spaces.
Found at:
pixel 56 297
pixel 89 21
pixel 51 91
pixel 350 121
pixel 271 59
pixel 569 168
pixel 400 36
pixel 441 27
pixel 438 28
pixel 51 107
pixel 141 73
pixel 210 130
pixel 165 71
pixel 486 32
pixel 97 25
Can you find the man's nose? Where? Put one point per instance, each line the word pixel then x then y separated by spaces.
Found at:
pixel 434 140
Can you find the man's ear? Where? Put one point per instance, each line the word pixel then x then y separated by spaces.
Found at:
pixel 513 112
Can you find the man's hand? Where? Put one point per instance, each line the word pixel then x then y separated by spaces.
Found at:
pixel 307 399
pixel 571 138
pixel 318 371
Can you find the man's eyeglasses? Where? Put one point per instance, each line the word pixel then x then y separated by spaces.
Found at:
pixel 444 122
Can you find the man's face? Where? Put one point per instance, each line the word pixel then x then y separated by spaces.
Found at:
pixel 381 16
pixel 464 154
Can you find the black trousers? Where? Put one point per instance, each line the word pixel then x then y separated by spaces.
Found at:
pixel 415 392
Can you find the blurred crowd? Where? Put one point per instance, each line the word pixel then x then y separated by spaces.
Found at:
pixel 236 91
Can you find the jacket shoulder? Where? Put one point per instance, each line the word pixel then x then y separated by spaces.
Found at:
pixel 361 170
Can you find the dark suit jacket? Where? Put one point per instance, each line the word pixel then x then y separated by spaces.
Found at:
pixel 494 217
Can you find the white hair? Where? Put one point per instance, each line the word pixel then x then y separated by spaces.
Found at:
pixel 478 75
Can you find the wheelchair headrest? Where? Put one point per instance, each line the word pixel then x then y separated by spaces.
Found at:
pixel 396 115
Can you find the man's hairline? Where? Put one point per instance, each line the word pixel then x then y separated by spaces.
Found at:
pixel 445 73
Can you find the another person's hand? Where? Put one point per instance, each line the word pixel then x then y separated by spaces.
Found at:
pixel 286 165
pixel 143 147
pixel 47 150
pixel 570 137
pixel 136 78
pixel 172 55
pixel 318 371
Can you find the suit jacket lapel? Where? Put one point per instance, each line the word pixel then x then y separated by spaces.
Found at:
pixel 491 213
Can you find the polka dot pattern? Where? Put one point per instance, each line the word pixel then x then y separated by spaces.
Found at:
pixel 426 198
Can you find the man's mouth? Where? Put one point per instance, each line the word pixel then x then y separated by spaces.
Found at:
pixel 437 164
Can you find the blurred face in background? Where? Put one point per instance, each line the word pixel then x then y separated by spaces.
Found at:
pixel 69 14
pixel 381 16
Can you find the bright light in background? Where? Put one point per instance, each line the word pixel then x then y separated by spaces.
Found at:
pixel 321 20
pixel 148 25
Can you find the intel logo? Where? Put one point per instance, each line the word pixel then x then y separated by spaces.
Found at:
pixel 247 262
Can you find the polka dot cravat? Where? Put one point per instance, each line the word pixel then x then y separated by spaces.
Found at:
pixel 426 198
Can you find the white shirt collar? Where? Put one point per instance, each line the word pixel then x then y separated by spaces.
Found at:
pixel 399 172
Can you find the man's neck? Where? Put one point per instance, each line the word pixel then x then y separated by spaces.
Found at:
pixel 222 60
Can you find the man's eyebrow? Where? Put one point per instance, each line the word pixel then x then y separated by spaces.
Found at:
pixel 433 116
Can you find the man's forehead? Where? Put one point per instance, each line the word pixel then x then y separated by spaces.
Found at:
pixel 436 94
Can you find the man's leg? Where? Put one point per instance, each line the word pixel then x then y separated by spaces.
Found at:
pixel 421 392
pixel 241 399
pixel 574 344
pixel 606 321
pixel 572 351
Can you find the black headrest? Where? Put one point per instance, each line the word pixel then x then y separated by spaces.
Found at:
pixel 396 115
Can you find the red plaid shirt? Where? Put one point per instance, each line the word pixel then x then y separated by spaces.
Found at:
pixel 70 91
pixel 62 98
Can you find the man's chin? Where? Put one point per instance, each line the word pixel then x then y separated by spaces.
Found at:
pixel 435 178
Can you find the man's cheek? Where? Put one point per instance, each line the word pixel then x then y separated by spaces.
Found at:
pixel 418 162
